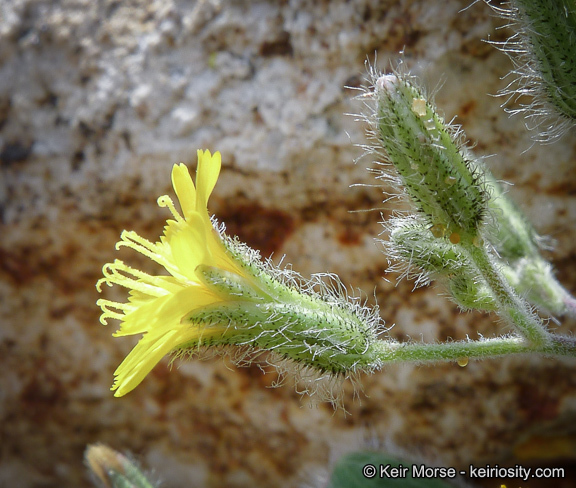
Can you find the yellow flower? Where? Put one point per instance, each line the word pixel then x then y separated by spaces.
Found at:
pixel 157 304
pixel 219 293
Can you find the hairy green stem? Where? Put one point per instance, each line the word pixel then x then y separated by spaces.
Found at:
pixel 453 351
pixel 510 306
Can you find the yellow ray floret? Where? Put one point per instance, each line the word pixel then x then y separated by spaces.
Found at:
pixel 157 305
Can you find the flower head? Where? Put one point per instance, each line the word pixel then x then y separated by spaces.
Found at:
pixel 218 292
pixel 157 304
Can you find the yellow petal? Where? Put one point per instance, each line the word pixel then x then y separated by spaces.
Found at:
pixel 189 247
pixel 161 321
pixel 170 229
pixel 152 348
pixel 206 176
pixel 145 355
pixel 150 351
pixel 184 188
pixel 158 314
pixel 168 283
pixel 219 256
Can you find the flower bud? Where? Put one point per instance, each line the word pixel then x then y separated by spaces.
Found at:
pixel 445 186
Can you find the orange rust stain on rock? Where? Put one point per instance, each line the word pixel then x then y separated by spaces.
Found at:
pixel 16 267
pixel 350 236
pixel 43 392
pixel 467 108
pixel 261 228
pixel 564 188
pixel 537 405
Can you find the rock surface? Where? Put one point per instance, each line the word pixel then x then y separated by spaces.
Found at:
pixel 99 98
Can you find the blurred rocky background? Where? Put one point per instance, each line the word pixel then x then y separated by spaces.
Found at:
pixel 99 98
